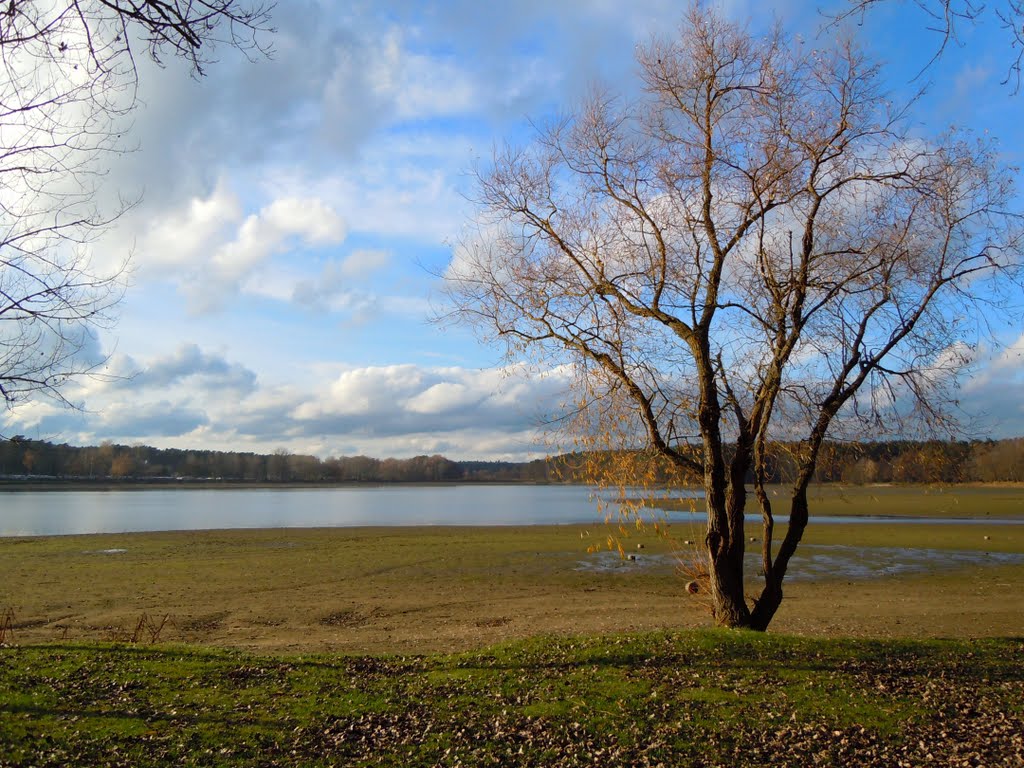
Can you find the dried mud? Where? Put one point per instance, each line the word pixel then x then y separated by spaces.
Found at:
pixel 419 590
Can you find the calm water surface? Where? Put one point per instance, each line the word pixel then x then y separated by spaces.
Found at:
pixel 42 513
pixel 37 513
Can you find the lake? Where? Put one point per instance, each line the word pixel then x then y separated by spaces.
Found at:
pixel 40 513
pixel 45 513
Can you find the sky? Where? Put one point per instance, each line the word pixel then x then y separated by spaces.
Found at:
pixel 294 212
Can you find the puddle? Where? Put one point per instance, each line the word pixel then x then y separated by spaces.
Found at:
pixel 106 552
pixel 822 562
pixel 611 562
pixel 840 561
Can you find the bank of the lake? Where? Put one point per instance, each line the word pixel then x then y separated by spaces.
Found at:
pixel 422 589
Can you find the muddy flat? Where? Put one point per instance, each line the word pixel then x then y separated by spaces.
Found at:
pixel 416 590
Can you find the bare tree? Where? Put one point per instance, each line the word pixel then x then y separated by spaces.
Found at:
pixel 946 18
pixel 757 251
pixel 68 81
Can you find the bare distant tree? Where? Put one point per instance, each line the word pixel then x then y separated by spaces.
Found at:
pixel 68 81
pixel 946 18
pixel 757 251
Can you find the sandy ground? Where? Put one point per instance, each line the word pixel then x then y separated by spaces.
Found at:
pixel 419 590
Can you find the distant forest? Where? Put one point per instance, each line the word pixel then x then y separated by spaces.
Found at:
pixel 876 462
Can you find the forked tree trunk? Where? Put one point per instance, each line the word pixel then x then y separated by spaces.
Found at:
pixel 725 558
pixel 725 540
pixel 724 543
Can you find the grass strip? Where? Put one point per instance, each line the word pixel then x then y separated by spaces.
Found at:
pixel 696 698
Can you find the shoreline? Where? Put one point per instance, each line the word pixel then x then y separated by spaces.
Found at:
pixel 38 483
pixel 596 524
pixel 197 483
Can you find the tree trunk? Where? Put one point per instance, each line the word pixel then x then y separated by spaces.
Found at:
pixel 771 596
pixel 726 541
pixel 766 606
pixel 728 601
pixel 725 558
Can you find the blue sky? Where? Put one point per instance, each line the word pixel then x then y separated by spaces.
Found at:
pixel 295 211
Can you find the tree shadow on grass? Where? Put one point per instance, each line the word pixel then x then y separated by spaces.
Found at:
pixel 187 720
pixel 957 661
pixel 852 657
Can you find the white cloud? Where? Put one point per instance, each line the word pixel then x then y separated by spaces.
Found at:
pixel 199 399
pixel 130 420
pixel 191 361
pixel 364 391
pixel 991 394
pixel 182 237
pixel 419 198
pixel 401 400
pixel 442 397
pixel 268 231
pixel 210 251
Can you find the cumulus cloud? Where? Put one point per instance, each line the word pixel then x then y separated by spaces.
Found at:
pixel 417 197
pixel 196 398
pixel 385 410
pixel 209 249
pixel 353 92
pixel 392 401
pixel 187 361
pixel 311 222
pixel 150 420
pixel 127 398
pixel 182 236
pixel 443 397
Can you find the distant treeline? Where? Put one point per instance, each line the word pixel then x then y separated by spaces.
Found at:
pixel 875 462
pixel 923 462
pixel 38 459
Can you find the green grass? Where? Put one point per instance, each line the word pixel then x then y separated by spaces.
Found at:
pixel 695 698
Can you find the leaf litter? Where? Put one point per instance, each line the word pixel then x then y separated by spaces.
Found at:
pixel 683 699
